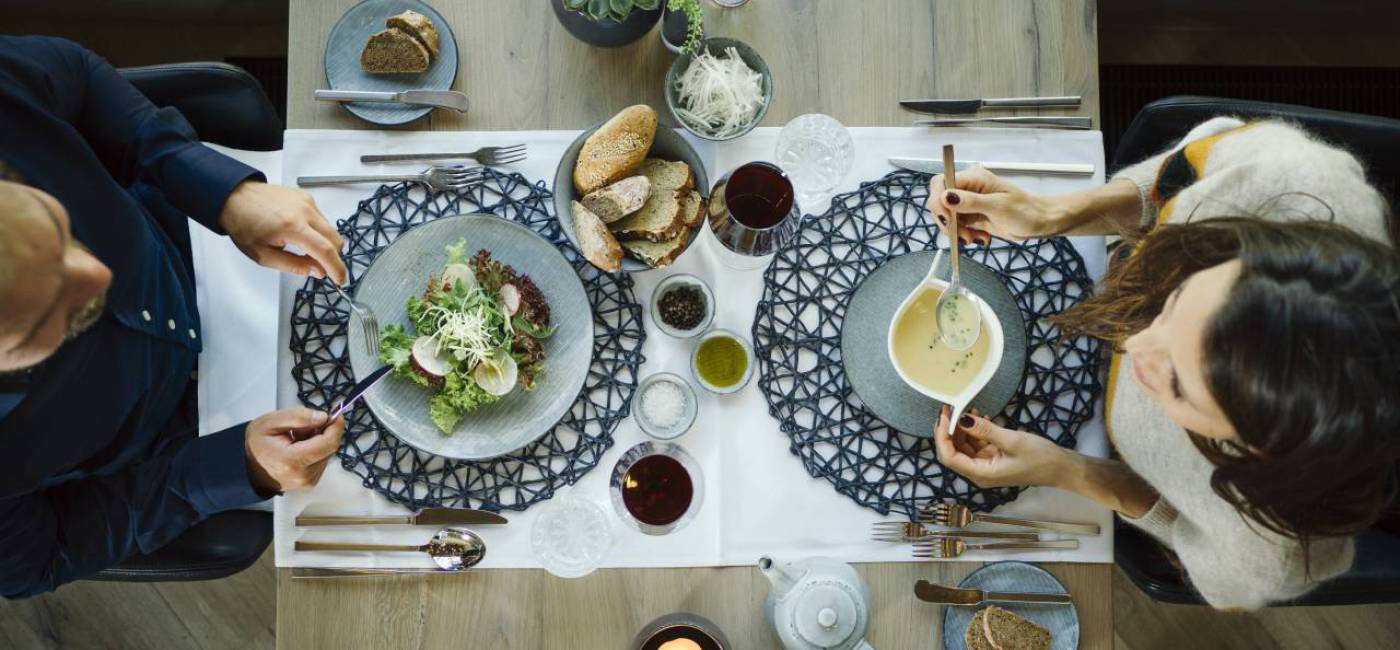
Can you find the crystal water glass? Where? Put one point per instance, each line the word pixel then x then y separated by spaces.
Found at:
pixel 816 152
pixel 571 536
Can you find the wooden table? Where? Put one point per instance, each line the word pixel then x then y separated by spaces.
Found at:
pixel 850 59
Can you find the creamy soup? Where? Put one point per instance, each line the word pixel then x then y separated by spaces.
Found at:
pixel 924 357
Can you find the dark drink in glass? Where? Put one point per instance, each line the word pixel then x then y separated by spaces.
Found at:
pixel 753 212
pixel 656 487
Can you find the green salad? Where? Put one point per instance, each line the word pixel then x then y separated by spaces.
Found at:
pixel 479 331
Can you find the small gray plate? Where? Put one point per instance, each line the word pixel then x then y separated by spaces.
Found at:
pixel 1061 620
pixel 668 145
pixel 866 356
pixel 521 416
pixel 347 41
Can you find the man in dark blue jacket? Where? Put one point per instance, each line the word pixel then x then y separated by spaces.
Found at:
pixel 99 332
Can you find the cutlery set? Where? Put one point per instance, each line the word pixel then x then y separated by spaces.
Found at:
pixel 451 548
pixel 964 112
pixel 950 540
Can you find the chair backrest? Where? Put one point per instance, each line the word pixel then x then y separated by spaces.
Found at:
pixel 223 103
pixel 1375 140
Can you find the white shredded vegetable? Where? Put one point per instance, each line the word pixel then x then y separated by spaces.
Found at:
pixel 463 333
pixel 719 95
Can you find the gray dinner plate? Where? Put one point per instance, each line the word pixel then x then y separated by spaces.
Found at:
pixel 865 342
pixel 342 60
pixel 668 145
pixel 1061 620
pixel 520 417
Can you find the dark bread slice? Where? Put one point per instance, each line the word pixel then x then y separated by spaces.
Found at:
pixel 1007 631
pixel 418 26
pixel 976 637
pixel 693 209
pixel 658 254
pixel 659 219
pixel 394 51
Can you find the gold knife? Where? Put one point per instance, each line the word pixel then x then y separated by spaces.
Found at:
pixel 425 517
pixel 932 593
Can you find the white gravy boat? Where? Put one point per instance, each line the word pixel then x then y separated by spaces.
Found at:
pixel 991 327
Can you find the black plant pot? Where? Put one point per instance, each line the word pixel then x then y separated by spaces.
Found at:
pixel 606 33
pixel 673 29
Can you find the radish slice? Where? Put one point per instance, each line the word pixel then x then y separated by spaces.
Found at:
pixel 498 374
pixel 510 299
pixel 427 362
pixel 456 274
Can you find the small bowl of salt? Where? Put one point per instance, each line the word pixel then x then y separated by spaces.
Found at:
pixel 666 406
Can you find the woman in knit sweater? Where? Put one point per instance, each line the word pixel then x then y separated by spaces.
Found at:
pixel 1252 396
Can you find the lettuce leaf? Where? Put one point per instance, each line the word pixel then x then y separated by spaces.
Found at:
pixel 459 394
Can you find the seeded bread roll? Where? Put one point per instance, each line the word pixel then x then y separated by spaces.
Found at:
pixel 619 199
pixel 658 254
pixel 393 51
pixel 659 219
pixel 616 149
pixel 1007 631
pixel 594 241
pixel 418 26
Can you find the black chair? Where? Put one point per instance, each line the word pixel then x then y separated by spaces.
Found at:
pixel 1375 576
pixel 226 106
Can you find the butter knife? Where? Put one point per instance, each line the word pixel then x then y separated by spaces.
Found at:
pixel 449 99
pixel 933 593
pixel 970 106
pixel 1055 122
pixel 425 517
pixel 932 166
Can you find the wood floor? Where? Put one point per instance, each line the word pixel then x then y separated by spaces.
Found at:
pixel 239 613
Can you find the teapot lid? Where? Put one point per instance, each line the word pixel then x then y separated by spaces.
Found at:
pixel 828 614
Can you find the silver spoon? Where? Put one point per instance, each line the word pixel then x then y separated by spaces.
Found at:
pixel 959 320
pixel 453 549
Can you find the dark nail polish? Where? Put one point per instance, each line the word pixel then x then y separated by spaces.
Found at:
pixel 953 199
pixel 966 422
pixel 942 219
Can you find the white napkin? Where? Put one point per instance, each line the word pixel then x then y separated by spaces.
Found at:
pixel 757 499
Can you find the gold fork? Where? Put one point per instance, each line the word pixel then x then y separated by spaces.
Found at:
pixel 953 515
pixel 946 547
pixel 903 531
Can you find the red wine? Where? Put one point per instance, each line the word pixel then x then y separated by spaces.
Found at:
pixel 657 490
pixel 758 195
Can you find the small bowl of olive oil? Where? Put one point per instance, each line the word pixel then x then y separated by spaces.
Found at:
pixel 722 361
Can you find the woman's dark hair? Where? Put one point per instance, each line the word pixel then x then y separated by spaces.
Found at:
pixel 1303 358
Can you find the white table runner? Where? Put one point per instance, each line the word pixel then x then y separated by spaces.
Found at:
pixel 757 497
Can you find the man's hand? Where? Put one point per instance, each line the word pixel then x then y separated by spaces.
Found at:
pixel 262 219
pixel 277 462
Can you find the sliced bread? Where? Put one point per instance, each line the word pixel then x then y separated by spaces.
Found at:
pixel 667 174
pixel 615 150
pixel 693 209
pixel 658 254
pixel 659 219
pixel 393 51
pixel 620 199
pixel 594 241
pixel 976 637
pixel 1007 631
pixel 418 26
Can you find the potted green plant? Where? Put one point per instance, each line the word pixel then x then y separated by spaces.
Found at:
pixel 607 23
pixel 683 25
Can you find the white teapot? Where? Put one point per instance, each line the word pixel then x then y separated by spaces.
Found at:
pixel 817 604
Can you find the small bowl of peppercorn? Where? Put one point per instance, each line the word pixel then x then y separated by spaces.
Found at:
pixel 682 306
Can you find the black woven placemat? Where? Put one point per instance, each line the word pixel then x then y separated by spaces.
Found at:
pixel 417 479
pixel 797 336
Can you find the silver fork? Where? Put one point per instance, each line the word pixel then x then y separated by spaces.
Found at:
pixel 441 178
pixel 903 531
pixel 368 322
pixel 948 547
pixel 491 156
pixel 953 515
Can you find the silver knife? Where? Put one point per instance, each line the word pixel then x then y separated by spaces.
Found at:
pixel 424 517
pixel 449 99
pixel 932 166
pixel 932 593
pixel 1055 122
pixel 314 573
pixel 356 392
pixel 970 106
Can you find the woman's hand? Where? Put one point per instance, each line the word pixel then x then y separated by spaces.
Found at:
pixel 287 450
pixel 262 219
pixel 991 456
pixel 989 205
